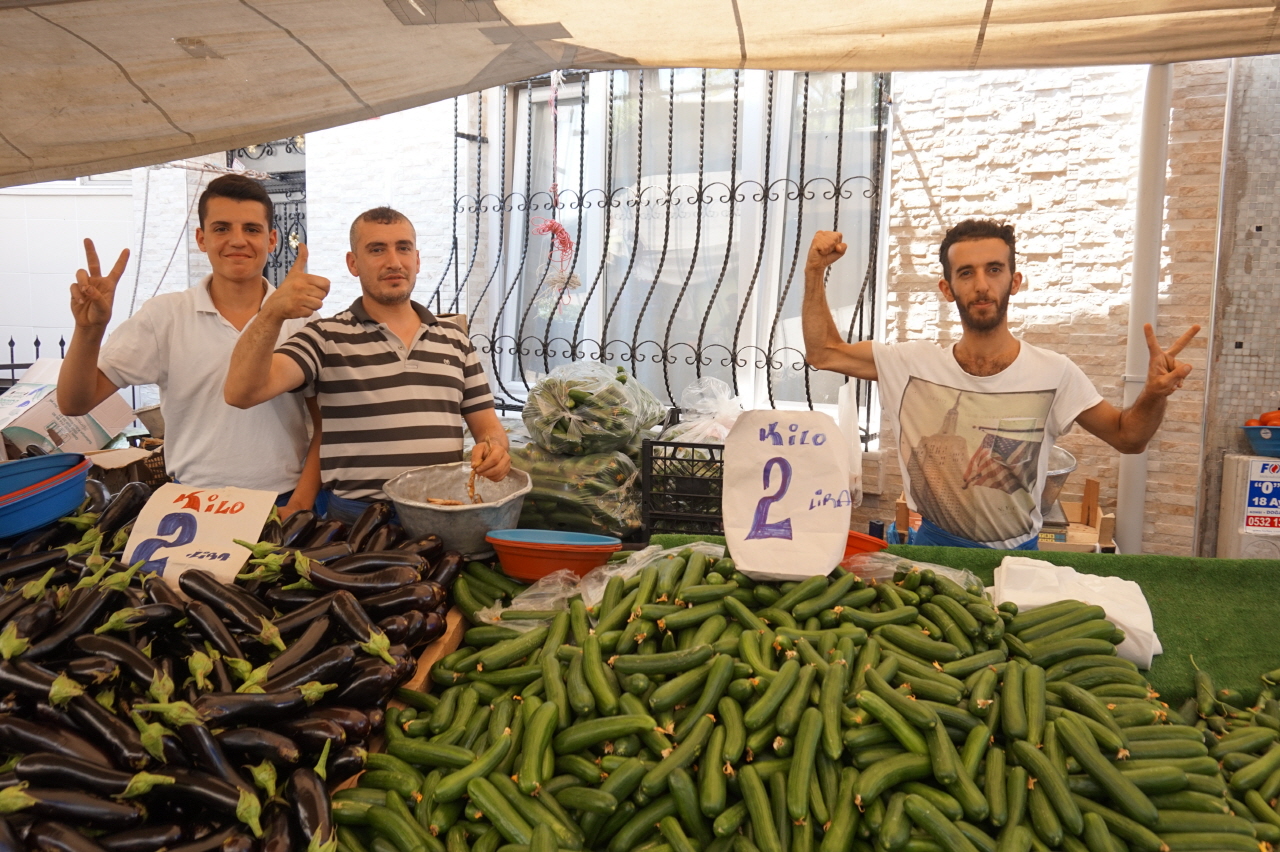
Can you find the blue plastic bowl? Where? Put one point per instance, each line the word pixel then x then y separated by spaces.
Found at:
pixel 569 539
pixel 1265 440
pixel 35 492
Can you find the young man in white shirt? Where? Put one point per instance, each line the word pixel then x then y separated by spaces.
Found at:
pixel 183 342
pixel 975 422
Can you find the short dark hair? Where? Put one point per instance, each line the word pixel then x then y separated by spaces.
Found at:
pixel 978 229
pixel 378 216
pixel 237 188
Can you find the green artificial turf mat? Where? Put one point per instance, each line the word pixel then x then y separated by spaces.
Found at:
pixel 1219 611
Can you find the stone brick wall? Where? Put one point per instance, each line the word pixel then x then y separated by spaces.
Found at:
pixel 1055 152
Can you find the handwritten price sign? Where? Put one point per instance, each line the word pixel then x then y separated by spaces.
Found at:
pixel 786 494
pixel 184 527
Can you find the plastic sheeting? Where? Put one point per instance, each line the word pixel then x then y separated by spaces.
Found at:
pixel 88 86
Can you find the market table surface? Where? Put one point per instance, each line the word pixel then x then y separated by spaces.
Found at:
pixel 1221 612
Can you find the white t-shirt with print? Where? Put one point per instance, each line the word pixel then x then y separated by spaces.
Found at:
pixel 181 342
pixel 974 449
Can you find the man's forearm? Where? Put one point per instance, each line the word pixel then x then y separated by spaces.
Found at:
pixel 1139 422
pixel 251 362
pixel 78 377
pixel 820 332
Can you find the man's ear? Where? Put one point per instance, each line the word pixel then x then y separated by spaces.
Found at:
pixel 200 238
pixel 273 241
pixel 1017 283
pixel 351 264
pixel 944 287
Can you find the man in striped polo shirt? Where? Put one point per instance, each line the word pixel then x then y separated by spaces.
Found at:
pixel 395 385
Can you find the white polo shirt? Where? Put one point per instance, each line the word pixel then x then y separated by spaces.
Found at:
pixel 180 342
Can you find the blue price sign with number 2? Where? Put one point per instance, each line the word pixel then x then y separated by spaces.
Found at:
pixel 184 527
pixel 786 494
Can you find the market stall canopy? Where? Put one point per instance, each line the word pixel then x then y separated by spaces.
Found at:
pixel 88 86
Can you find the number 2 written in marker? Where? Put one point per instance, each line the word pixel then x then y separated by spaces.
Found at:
pixel 178 522
pixel 761 527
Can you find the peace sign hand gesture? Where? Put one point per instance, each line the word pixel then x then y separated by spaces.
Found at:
pixel 1165 374
pixel 94 293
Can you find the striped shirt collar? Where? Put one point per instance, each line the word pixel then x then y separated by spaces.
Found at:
pixel 358 311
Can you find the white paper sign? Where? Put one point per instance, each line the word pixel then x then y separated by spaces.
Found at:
pixel 1262 497
pixel 786 494
pixel 184 527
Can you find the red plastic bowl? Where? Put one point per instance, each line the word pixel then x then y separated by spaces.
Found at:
pixel 523 556
pixel 862 543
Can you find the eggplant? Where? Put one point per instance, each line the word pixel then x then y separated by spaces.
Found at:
pixel 434 626
pixel 123 508
pixel 243 611
pixel 120 738
pixel 75 622
pixel 9 841
pixel 345 764
pixel 353 722
pixel 158 590
pixel 35 563
pixel 96 495
pixel 329 666
pixel 26 678
pixel 376 514
pixel 44 713
pixel 447 568
pixel 298 527
pixel 222 709
pixel 351 616
pixel 11 603
pixel 50 836
pixel 19 735
pixel 139 666
pixel 82 809
pixel 302 617
pixel 311 733
pixel 302 647
pixel 415 628
pixel 364 563
pixel 328 552
pixel 232 839
pixel 372 583
pixel 46 769
pixel 150 616
pixel 221 677
pixel 9 779
pixel 93 670
pixel 327 532
pixel 45 538
pixel 377 718
pixel 209 756
pixel 411 596
pixel 255 745
pixel 310 802
pixel 290 601
pixel 148 838
pixel 396 627
pixel 191 785
pixel 277 830
pixel 32 623
pixel 429 547
pixel 384 537
pixel 272 532
pixel 203 616
pixel 370 681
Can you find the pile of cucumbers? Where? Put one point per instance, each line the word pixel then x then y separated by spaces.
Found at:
pixel 695 710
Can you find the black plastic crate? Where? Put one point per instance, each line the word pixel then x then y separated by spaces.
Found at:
pixel 681 487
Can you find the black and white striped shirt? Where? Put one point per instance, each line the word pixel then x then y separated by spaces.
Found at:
pixel 387 409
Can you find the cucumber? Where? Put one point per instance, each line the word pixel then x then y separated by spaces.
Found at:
pixel 926 816
pixel 499 812
pixel 586 734
pixel 767 705
pixel 1120 787
pixel 1053 784
pixel 890 772
pixel 808 736
pixel 758 808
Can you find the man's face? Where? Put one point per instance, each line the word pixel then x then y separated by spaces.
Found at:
pixel 981 282
pixel 386 260
pixel 236 238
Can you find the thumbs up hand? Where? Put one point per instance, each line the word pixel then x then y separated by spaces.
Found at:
pixel 299 294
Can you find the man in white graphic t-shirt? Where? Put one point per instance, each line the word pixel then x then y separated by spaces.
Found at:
pixel 976 421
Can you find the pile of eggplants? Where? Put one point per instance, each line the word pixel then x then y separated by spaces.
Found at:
pixel 141 714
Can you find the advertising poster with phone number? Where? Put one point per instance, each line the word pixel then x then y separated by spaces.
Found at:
pixel 1262 499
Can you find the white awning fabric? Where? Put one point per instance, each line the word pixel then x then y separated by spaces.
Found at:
pixel 88 86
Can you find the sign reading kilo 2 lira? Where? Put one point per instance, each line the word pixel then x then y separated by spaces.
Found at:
pixel 786 497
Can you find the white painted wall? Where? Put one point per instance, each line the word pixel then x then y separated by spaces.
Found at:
pixel 42 227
